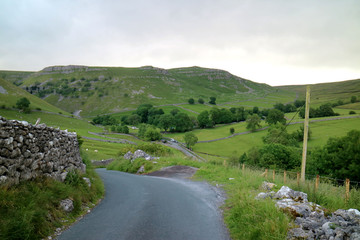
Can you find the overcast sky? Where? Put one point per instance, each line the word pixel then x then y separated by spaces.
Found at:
pixel 278 42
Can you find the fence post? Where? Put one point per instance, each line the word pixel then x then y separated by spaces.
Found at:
pixel 347 193
pixel 273 175
pixel 298 178
pixel 317 182
pixel 284 176
pixel 243 168
pixel 266 173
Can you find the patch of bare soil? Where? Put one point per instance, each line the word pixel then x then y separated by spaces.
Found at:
pixel 175 172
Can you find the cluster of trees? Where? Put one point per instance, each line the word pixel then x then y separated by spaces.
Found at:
pixel 338 158
pixel 201 101
pixel 174 121
pixel 280 150
pixel 325 110
pixel 149 132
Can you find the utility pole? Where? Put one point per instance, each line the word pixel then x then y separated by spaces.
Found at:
pixel 306 130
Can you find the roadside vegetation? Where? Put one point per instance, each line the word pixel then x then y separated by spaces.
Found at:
pixel 31 210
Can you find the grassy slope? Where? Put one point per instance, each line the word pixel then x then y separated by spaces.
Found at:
pixel 111 89
pixel 14 93
pixel 328 92
pixel 14 76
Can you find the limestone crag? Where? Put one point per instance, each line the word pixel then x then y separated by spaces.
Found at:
pixel 28 151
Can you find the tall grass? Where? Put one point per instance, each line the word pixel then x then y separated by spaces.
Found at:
pixel 31 209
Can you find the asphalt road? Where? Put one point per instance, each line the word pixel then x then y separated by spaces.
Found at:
pixel 145 207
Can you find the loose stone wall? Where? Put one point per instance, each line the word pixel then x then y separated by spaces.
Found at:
pixel 28 151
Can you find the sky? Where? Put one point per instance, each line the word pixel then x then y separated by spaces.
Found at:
pixel 278 42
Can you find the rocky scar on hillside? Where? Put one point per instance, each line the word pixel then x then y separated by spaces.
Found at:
pixel 28 151
pixel 311 222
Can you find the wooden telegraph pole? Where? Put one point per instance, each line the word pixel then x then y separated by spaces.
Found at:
pixel 306 129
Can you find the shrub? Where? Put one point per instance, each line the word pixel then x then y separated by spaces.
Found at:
pixel 352 112
pixel 201 101
pixel 152 149
pixel 191 101
pixel 232 130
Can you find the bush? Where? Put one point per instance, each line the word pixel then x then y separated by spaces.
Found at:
pixel 232 130
pixel 152 149
pixel 352 112
pixel 23 104
pixel 191 101
pixel 201 101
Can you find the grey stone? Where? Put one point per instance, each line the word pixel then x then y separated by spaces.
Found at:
pixel 297 233
pixel 141 169
pixel 87 180
pixel 286 192
pixel 67 205
pixel 129 155
pixel 263 195
pixel 267 186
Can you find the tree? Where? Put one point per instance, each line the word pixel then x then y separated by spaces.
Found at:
pixel 191 101
pixel 277 133
pixel 232 130
pixel 174 111
pixel 255 110
pixel 190 139
pixel 151 134
pixel 253 122
pixel 183 122
pixel 339 158
pixel 275 116
pixel 280 107
pixel 353 99
pixel 201 101
pixel 166 121
pixel 212 100
pixel 134 119
pixel 215 115
pixel 23 104
pixel 143 111
pixel 204 120
pixel 299 103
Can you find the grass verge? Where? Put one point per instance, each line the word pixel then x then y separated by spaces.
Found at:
pixel 31 209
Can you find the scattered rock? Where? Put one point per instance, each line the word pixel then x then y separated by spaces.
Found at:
pixel 267 186
pixel 87 180
pixel 129 155
pixel 139 154
pixel 310 219
pixel 67 205
pixel 141 170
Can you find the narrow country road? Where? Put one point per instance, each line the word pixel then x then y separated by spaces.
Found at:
pixel 145 207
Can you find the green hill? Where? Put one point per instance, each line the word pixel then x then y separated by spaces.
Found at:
pixel 15 77
pixel 328 92
pixel 100 90
pixel 10 94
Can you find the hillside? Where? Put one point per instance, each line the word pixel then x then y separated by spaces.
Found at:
pixel 10 94
pixel 100 90
pixel 15 77
pixel 328 92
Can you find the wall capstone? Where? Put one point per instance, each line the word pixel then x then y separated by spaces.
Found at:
pixel 28 151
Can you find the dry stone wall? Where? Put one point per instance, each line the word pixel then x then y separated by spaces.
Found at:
pixel 28 151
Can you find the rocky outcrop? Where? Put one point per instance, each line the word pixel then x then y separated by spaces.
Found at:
pixel 28 151
pixel 139 154
pixel 311 222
